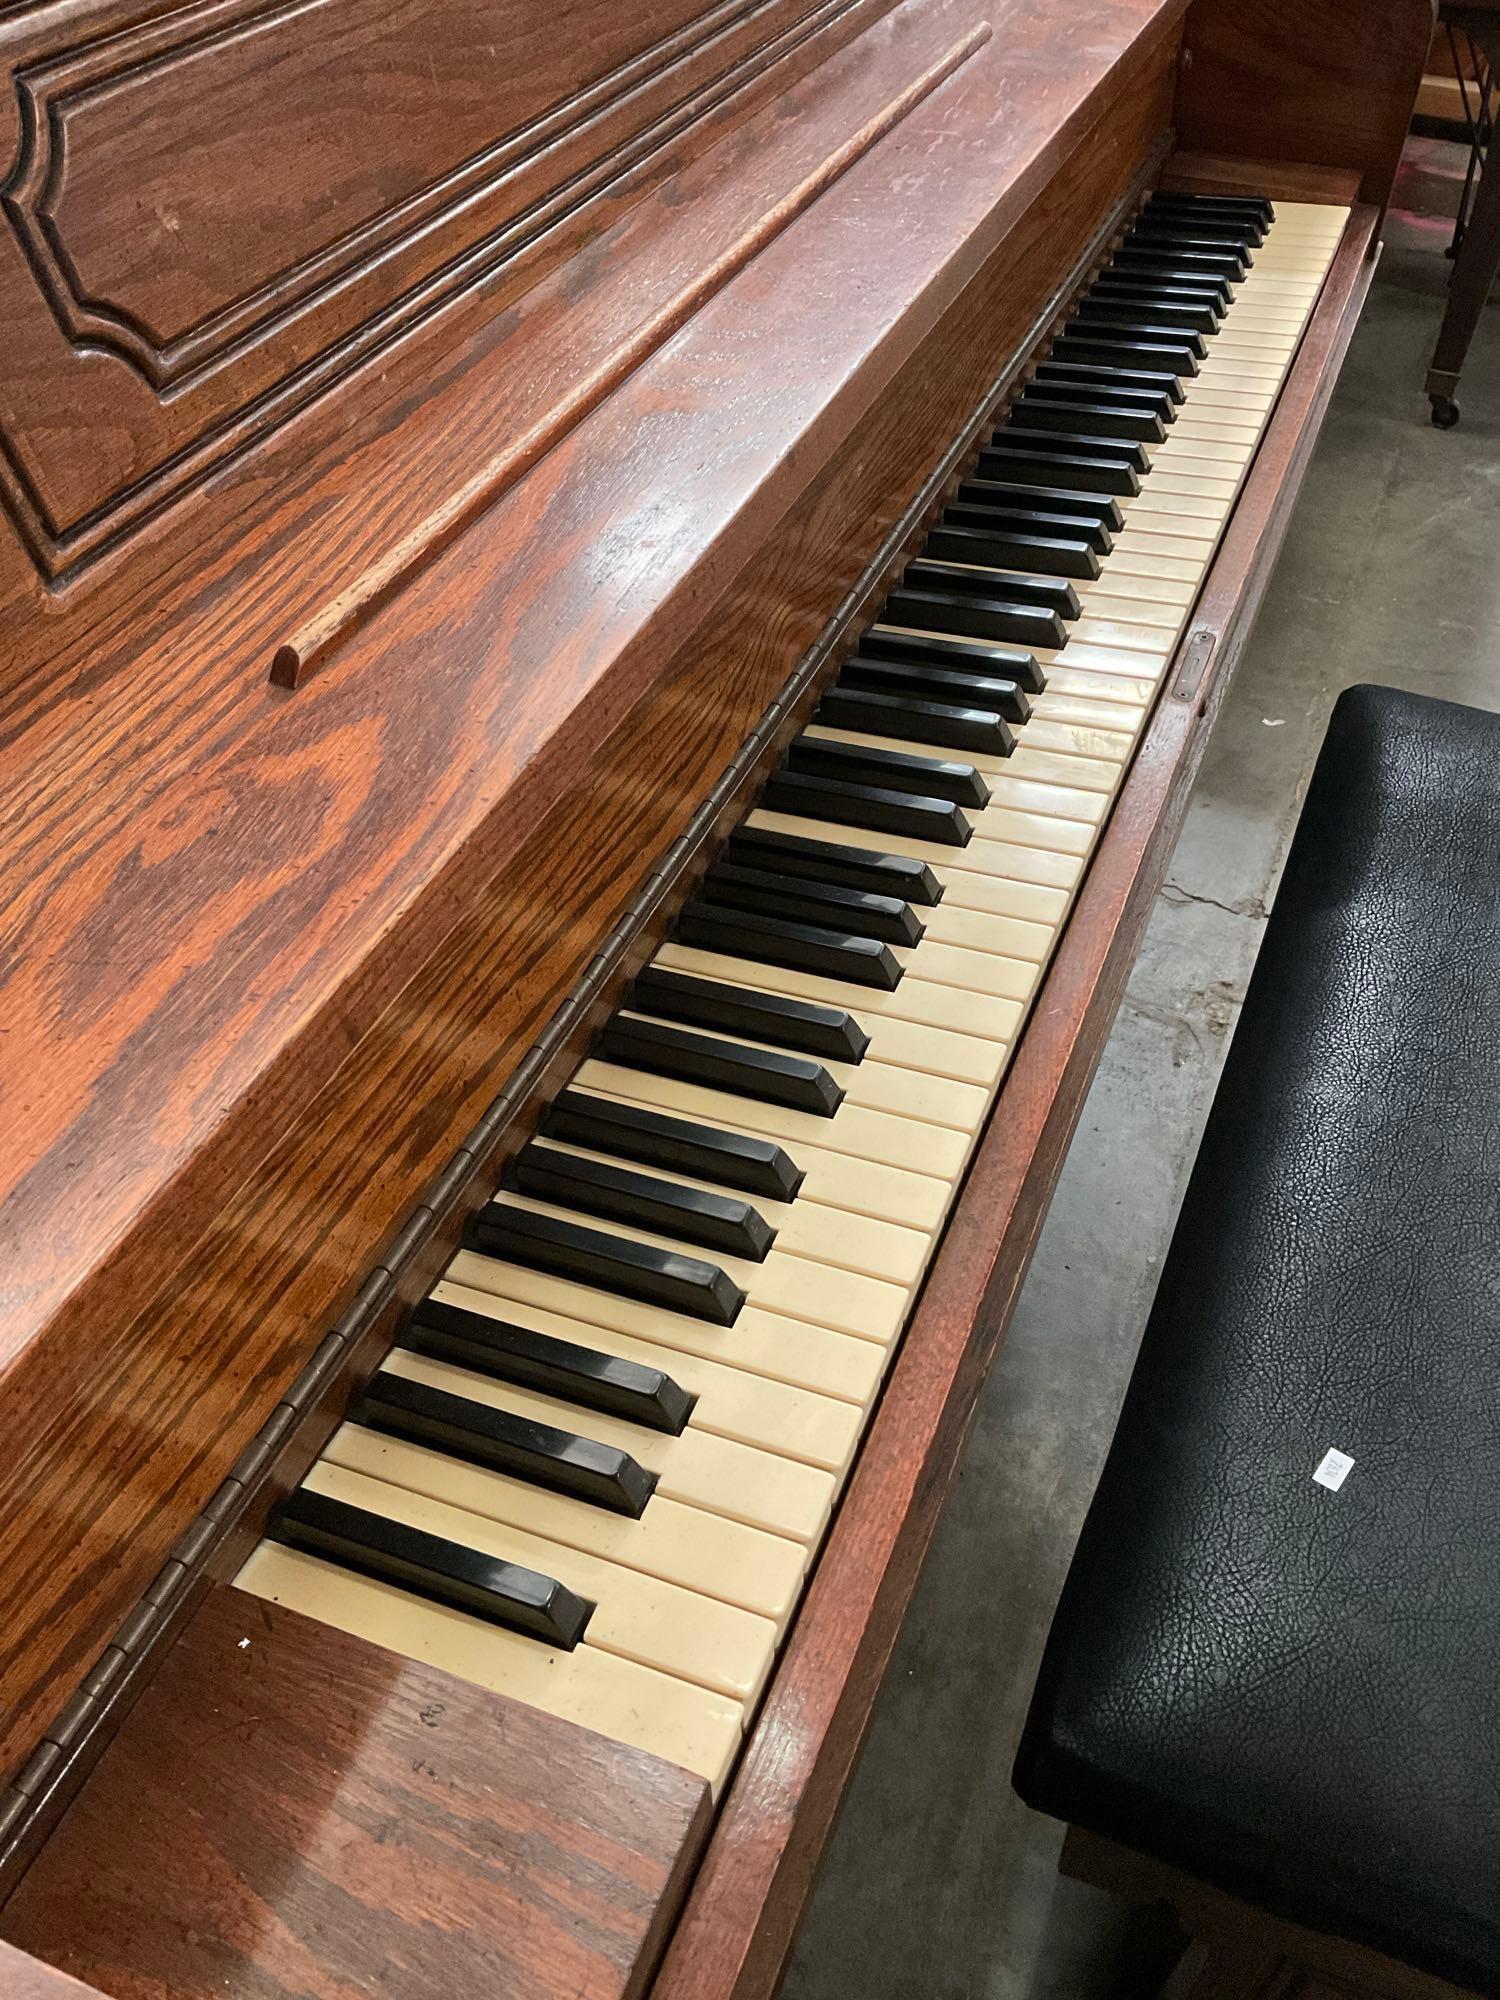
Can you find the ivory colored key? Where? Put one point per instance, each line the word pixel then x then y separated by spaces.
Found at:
pixel 781 1495
pixel 846 1301
pixel 774 1416
pixel 877 1082
pixel 1030 760
pixel 619 1698
pixel 868 1135
pixel 908 1045
pixel 705 1553
pixel 657 1624
pixel 762 1343
pixel 1025 861
pixel 806 1228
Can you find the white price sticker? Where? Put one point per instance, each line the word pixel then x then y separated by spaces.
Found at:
pixel 1333 1469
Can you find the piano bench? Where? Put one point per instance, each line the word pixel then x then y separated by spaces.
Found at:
pixel 1275 1667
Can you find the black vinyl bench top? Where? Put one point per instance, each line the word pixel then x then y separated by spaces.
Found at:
pixel 1290 1691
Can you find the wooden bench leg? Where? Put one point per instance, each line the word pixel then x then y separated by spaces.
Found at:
pixel 1238 1953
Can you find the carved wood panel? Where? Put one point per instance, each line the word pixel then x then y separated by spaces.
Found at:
pixel 212 214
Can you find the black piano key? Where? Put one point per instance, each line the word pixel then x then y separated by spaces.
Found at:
pixel 894 679
pixel 1124 352
pixel 1172 350
pixel 1180 233
pixel 1156 381
pixel 911 719
pixel 1074 444
pixel 959 610
pixel 676 1145
pixel 1018 458
pixel 1202 291
pixel 1176 263
pixel 607 1262
pixel 465 1428
pixel 1086 510
pixel 1015 539
pixel 1251 208
pixel 1052 593
pixel 564 1368
pixel 1152 317
pixel 809 948
pixel 642 1201
pixel 1095 385
pixel 1038 412
pixel 828 905
pixel 1108 323
pixel 868 808
pixel 741 1010
pixel 894 770
pixel 1158 271
pixel 1180 306
pixel 962 655
pixel 831 861
pixel 767 1075
pixel 467 1579
pixel 1225 260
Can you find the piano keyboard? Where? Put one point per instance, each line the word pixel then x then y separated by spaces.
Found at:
pixel 595 1472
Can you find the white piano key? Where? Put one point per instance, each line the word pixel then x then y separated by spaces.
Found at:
pixel 909 1045
pixel 847 1301
pixel 618 1698
pixel 657 1624
pixel 764 1489
pixel 867 1135
pixel 807 1228
pixel 703 1552
pixel 763 1343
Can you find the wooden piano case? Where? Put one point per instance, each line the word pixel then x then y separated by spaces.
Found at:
pixel 371 694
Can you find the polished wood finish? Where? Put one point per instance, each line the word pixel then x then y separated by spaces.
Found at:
pixel 1323 83
pixel 741 1916
pixel 292 1812
pixel 274 955
pixel 1238 1952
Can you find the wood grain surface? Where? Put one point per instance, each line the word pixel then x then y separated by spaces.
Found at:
pixel 1325 83
pixel 295 1815
pixel 748 1895
pixel 244 1022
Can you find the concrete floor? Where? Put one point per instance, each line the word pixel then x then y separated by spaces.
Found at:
pixel 938 1884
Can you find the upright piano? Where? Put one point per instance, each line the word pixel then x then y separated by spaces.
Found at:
pixel 606 617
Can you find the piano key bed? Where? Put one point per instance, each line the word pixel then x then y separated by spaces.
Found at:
pixel 596 1471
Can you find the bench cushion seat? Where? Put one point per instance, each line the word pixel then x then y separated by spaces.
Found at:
pixel 1290 1691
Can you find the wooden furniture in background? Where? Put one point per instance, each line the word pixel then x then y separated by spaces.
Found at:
pixel 1478 250
pixel 555 446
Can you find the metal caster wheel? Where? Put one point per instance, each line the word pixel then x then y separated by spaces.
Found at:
pixel 1444 412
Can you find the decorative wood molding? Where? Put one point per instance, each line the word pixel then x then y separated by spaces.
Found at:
pixel 306 650
pixel 201 274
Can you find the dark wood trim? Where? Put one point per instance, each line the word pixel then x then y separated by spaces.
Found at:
pixel 748 1897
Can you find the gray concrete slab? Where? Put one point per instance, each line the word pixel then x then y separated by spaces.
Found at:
pixel 938 1883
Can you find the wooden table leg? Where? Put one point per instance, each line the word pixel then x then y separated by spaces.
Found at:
pixel 1478 257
